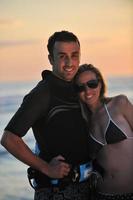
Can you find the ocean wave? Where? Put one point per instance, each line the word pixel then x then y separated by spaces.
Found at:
pixel 10 103
pixel 3 152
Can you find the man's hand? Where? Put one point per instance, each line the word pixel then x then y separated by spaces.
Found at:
pixel 58 168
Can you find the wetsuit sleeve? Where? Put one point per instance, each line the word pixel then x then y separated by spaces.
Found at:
pixel 34 105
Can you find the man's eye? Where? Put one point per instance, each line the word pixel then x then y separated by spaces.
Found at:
pixel 62 56
pixel 75 56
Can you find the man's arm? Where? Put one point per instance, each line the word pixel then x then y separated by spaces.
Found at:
pixel 18 148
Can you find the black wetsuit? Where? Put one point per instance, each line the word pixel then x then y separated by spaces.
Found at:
pixel 52 110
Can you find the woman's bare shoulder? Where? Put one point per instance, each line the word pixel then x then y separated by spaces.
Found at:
pixel 119 100
pixel 122 99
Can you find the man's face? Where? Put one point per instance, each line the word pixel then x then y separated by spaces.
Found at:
pixel 65 59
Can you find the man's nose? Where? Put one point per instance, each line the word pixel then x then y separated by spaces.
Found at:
pixel 69 61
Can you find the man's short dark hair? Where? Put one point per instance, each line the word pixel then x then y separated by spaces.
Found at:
pixel 64 36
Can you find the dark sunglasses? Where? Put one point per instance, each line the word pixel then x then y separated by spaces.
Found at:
pixel 91 84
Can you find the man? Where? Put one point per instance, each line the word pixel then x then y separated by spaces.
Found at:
pixel 52 110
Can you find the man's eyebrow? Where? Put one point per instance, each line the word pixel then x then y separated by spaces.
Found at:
pixel 61 52
pixel 76 52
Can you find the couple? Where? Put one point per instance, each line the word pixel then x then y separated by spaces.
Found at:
pixel 70 133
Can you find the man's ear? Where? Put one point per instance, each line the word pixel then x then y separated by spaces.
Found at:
pixel 50 59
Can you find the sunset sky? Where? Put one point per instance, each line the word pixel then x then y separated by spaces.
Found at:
pixel 104 28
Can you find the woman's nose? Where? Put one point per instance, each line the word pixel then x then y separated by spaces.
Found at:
pixel 87 89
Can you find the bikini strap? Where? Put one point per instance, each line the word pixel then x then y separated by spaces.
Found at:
pixel 105 106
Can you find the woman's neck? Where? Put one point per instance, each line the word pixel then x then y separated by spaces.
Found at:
pixel 96 107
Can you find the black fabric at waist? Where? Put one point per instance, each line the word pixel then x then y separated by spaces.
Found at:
pixel 79 173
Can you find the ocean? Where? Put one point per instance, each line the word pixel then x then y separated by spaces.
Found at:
pixel 14 184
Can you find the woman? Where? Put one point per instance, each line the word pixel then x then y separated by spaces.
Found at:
pixel 110 135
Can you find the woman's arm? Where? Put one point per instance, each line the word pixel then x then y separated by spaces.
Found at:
pixel 127 109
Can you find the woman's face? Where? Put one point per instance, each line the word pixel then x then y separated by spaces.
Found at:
pixel 89 90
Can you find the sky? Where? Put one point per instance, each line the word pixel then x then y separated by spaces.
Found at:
pixel 104 28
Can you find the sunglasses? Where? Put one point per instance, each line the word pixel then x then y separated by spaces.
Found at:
pixel 91 84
